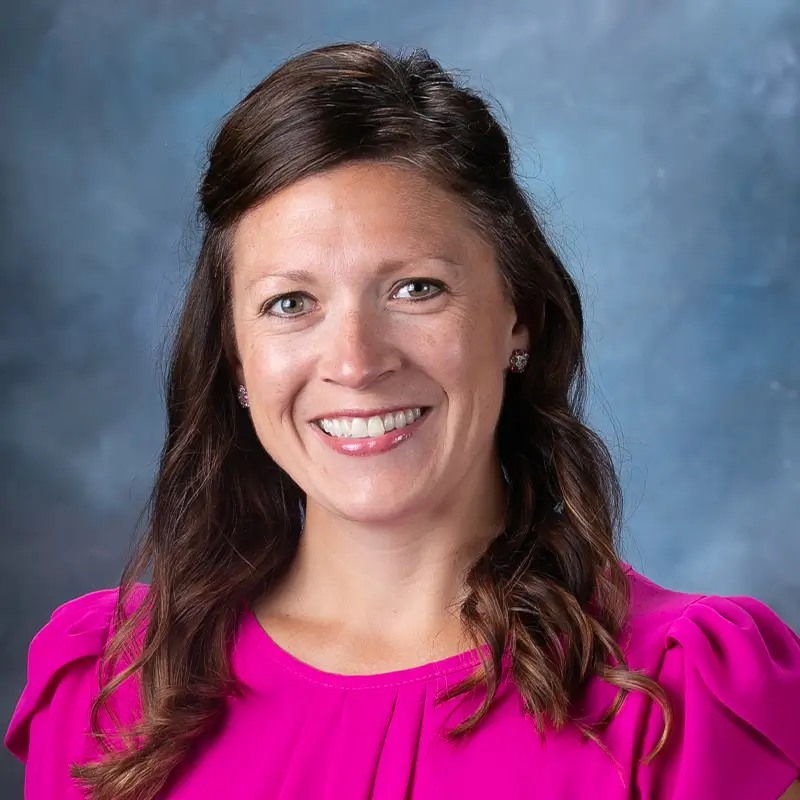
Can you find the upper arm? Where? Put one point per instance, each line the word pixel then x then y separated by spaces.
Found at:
pixel 731 670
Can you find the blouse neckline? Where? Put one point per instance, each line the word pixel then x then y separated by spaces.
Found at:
pixel 258 643
pixel 266 645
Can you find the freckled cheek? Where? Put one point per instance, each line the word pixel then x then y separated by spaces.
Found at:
pixel 460 361
pixel 442 351
pixel 275 375
pixel 468 349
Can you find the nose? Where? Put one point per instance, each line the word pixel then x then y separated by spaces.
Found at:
pixel 357 353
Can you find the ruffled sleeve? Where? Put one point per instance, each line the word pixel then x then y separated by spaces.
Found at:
pixel 49 729
pixel 731 669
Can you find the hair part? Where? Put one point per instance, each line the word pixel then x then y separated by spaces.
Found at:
pixel 224 519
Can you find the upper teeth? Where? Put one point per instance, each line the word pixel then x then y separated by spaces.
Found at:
pixel 365 427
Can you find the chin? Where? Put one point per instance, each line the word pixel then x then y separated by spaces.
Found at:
pixel 375 508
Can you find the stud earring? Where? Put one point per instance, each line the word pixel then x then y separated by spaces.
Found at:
pixel 244 400
pixel 518 361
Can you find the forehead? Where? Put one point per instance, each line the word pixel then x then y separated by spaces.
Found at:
pixel 376 210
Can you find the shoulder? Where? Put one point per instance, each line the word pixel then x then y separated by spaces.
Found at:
pixel 731 670
pixel 62 673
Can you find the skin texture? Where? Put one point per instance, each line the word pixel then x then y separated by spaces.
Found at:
pixel 388 536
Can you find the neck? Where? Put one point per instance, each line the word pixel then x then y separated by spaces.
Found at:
pixel 399 581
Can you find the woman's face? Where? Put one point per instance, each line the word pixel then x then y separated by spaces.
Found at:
pixel 373 334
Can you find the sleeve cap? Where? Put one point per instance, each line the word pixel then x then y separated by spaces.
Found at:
pixel 731 671
pixel 73 640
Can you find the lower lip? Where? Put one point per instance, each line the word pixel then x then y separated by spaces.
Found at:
pixel 372 446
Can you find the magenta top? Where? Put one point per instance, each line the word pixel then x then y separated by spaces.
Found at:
pixel 730 666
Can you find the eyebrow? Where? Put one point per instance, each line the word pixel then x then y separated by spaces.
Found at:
pixel 387 266
pixel 296 275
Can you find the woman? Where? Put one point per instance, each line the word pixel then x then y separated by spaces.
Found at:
pixel 383 543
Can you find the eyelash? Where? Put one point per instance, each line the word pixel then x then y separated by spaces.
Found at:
pixel 438 286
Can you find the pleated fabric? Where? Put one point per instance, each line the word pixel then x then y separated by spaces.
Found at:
pixel 730 666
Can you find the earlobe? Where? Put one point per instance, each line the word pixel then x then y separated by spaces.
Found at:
pixel 521 338
pixel 232 356
pixel 236 372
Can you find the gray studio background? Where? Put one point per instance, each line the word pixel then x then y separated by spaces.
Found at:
pixel 662 138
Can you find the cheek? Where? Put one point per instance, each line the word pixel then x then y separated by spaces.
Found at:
pixel 466 353
pixel 273 371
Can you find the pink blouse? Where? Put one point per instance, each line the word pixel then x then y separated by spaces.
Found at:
pixel 730 666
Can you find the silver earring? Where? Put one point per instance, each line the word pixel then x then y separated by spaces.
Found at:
pixel 244 400
pixel 519 361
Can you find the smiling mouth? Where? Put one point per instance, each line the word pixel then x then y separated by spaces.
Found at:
pixel 370 427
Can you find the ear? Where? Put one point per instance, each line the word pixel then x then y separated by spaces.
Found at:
pixel 232 355
pixel 521 334
pixel 520 337
pixel 238 374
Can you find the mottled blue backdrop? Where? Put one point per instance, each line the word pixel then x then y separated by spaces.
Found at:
pixel 660 138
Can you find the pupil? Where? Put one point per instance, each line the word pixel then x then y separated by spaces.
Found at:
pixel 288 303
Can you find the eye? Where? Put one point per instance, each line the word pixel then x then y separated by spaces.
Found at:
pixel 419 289
pixel 288 305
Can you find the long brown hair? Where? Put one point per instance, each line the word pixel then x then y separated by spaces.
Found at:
pixel 224 519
